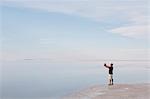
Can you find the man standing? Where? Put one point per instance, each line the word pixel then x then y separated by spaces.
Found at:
pixel 110 73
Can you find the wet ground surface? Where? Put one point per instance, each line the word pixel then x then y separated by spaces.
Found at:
pixel 117 91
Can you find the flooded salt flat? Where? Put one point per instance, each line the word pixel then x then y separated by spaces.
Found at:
pixel 43 79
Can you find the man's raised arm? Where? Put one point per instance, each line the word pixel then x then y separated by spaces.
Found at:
pixel 106 66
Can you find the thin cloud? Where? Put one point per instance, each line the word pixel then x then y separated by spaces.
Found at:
pixel 133 11
pixel 137 28
pixel 132 31
pixel 96 9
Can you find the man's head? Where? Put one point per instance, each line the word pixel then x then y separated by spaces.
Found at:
pixel 111 64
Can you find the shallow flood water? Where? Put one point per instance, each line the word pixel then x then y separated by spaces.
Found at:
pixel 30 79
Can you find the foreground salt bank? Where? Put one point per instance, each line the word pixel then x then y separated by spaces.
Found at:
pixel 118 91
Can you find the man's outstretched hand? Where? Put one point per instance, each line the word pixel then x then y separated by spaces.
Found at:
pixel 105 64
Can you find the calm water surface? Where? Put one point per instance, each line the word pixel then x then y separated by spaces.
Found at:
pixel 30 79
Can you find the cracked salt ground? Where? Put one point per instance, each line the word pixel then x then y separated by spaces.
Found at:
pixel 118 91
pixel 126 88
pixel 92 95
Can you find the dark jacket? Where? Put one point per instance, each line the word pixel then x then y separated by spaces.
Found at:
pixel 110 70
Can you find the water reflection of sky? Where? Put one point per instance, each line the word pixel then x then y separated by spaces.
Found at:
pixel 33 80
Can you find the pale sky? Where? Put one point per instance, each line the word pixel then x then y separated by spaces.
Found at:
pixel 74 29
